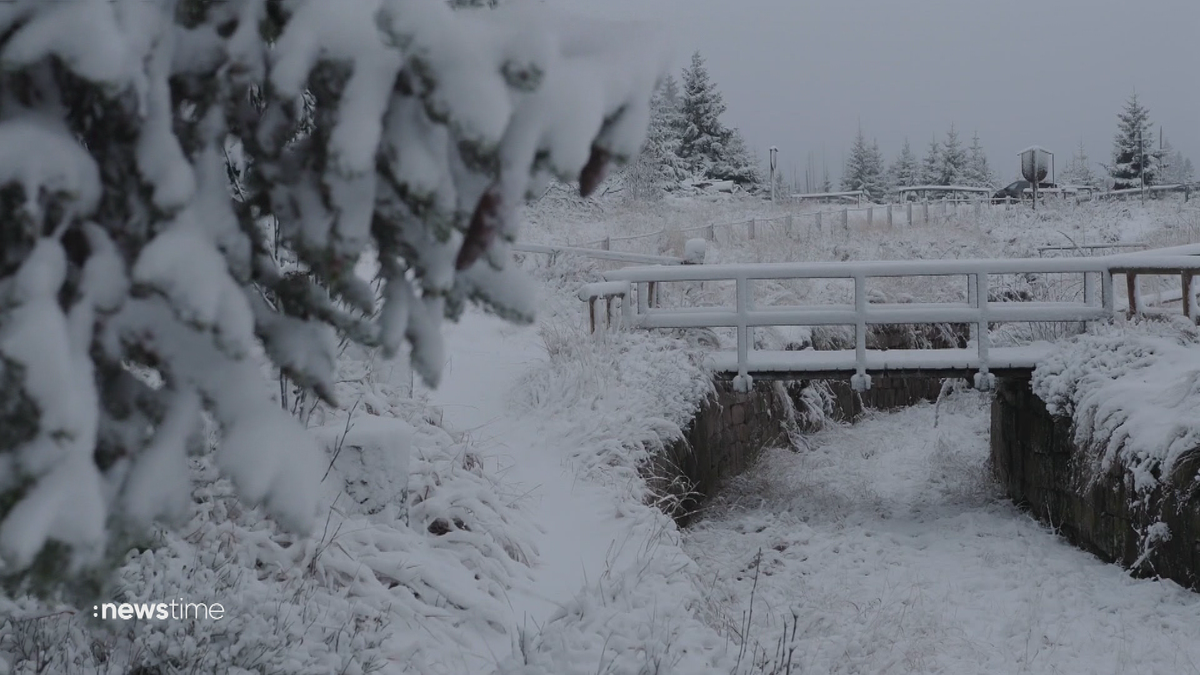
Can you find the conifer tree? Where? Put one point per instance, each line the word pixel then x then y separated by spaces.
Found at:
pixel 905 171
pixel 704 137
pixel 1079 170
pixel 931 166
pixel 977 173
pixel 953 160
pixel 1133 154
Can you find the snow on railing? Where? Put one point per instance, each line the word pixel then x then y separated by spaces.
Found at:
pixel 1098 301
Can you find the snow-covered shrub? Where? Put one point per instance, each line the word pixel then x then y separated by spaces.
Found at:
pixel 401 127
pixel 1132 392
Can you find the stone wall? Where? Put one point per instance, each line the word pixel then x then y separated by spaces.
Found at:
pixel 724 439
pixel 886 393
pixel 1035 458
pixel 731 429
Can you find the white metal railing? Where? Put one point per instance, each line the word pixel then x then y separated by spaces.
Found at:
pixel 1098 299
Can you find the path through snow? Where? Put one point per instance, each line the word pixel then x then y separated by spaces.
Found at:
pixel 890 546
pixel 579 530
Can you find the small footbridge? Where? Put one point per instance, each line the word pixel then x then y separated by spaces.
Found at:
pixel 635 293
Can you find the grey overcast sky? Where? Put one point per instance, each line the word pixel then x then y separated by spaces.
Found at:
pixel 801 74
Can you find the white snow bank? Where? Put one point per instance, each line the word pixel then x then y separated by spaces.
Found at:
pixel 1133 391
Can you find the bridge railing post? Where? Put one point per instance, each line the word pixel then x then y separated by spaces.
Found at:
pixel 1106 292
pixel 1089 289
pixel 984 380
pixel 861 381
pixel 743 382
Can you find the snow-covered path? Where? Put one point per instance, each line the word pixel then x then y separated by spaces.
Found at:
pixel 579 532
pixel 889 546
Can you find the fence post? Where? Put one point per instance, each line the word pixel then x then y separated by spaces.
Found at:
pixel 889 216
pixel 1188 298
pixel 607 245
pixel 1131 288
pixel 818 214
pixel 712 233
pixel 910 214
pixel 846 219
pixel 753 228
pixel 788 225
pixel 870 215
pixel 1089 289
pixel 926 209
pixel 978 209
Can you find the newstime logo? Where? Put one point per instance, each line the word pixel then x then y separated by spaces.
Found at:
pixel 160 611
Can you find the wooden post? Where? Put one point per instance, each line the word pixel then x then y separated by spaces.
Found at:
pixel 870 215
pixel 651 291
pixel 788 225
pixel 846 219
pixel 926 209
pixel 889 216
pixel 1187 293
pixel 712 233
pixel 753 228
pixel 607 245
pixel 818 214
pixel 608 311
pixel 910 214
pixel 592 314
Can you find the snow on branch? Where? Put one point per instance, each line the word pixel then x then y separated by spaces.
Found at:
pixel 137 293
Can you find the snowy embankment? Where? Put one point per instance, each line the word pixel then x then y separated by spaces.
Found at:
pixel 885 548
pixel 569 418
pixel 497 524
pixel 1133 391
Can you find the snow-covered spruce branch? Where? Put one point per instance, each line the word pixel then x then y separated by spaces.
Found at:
pixel 138 292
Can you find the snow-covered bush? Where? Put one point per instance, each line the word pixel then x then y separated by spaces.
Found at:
pixel 137 295
pixel 1132 392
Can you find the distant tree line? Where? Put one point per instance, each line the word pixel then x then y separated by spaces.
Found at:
pixel 946 162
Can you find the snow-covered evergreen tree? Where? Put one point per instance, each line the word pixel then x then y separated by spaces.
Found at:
pixel 878 172
pixel 1079 170
pixel 931 166
pixel 905 171
pixel 952 162
pixel 977 173
pixel 704 136
pixel 658 166
pixel 736 162
pixel 1174 167
pixel 137 295
pixel 1133 148
pixel 864 168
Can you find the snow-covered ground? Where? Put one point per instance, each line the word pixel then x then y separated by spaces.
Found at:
pixel 884 548
pixel 886 539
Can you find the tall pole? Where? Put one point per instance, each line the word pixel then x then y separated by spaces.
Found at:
pixel 774 152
